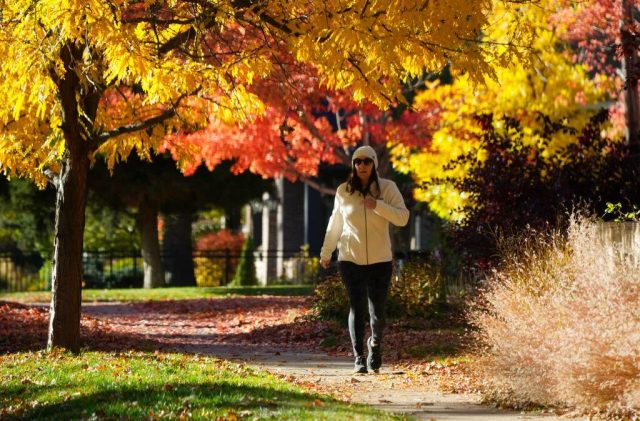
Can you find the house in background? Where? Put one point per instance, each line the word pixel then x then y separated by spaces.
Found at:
pixel 296 215
pixel 293 216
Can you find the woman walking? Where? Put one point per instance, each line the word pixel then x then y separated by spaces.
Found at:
pixel 359 227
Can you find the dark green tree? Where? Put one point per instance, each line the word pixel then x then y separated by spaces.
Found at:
pixel 26 216
pixel 246 271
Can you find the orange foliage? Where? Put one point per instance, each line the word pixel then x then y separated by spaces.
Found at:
pixel 220 240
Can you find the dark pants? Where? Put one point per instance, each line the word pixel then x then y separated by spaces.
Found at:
pixel 366 284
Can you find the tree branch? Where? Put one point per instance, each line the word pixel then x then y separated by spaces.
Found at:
pixel 317 186
pixel 178 40
pixel 158 21
pixel 52 177
pixel 354 63
pixel 190 33
pixel 316 134
pixel 131 128
pixel 488 42
pixel 278 25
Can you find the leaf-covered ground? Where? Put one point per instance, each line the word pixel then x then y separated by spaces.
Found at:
pixel 427 353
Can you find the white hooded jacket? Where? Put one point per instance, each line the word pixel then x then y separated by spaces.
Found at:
pixel 361 234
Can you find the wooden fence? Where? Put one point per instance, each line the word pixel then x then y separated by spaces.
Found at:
pixel 621 240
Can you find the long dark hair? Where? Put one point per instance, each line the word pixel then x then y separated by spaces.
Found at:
pixel 354 184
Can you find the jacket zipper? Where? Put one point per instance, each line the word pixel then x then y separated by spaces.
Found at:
pixel 366 234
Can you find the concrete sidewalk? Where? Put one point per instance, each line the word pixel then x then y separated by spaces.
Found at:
pixel 389 390
pixel 385 390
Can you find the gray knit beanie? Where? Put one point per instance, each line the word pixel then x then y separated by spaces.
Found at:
pixel 365 152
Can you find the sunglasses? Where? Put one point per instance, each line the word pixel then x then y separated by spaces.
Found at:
pixel 365 161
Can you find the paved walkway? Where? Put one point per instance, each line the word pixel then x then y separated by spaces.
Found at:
pixel 385 390
pixel 389 390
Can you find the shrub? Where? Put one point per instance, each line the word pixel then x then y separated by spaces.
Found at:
pixel 520 183
pixel 220 240
pixel 330 300
pixel 246 271
pixel 210 268
pixel 416 290
pixel 309 266
pixel 559 324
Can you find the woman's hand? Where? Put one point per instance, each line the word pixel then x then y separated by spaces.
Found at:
pixel 370 203
pixel 325 263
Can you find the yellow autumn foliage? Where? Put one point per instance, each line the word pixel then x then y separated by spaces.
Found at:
pixel 194 59
pixel 551 84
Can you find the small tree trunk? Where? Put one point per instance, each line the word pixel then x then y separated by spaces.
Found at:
pixel 148 225
pixel 178 250
pixel 630 67
pixel 66 284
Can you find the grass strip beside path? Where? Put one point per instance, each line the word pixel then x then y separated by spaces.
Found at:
pixel 136 385
pixel 160 294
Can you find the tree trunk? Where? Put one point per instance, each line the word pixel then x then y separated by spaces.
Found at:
pixel 71 202
pixel 630 67
pixel 178 250
pixel 66 284
pixel 148 225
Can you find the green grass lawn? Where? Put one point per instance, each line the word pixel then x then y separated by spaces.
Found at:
pixel 135 385
pixel 138 294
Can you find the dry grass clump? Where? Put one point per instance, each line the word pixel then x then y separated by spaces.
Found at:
pixel 560 325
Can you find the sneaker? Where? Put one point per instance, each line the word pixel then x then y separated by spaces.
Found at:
pixel 360 366
pixel 374 359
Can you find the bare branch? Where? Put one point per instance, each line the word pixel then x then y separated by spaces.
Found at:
pixel 317 186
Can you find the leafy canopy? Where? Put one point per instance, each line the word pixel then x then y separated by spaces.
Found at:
pixel 552 85
pixel 140 70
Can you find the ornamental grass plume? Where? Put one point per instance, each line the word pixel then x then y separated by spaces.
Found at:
pixel 559 324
